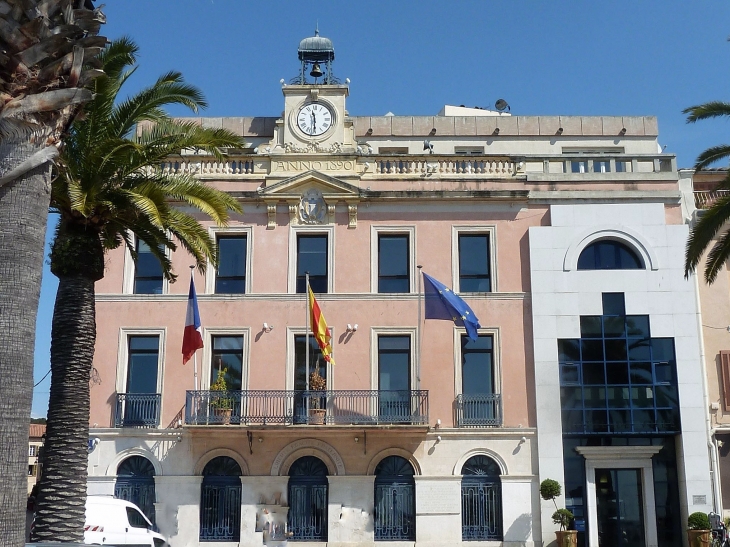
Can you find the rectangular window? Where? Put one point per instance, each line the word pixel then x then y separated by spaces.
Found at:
pixel 142 364
pixel 316 361
pixel 230 277
pixel 227 355
pixel 478 404
pixel 393 150
pixel 312 258
pixel 394 378
pixel 303 403
pixel 394 363
pixel 603 166
pixel 469 150
pixel 393 260
pixel 477 365
pixel 31 451
pixel 474 272
pixel 31 470
pixel 147 271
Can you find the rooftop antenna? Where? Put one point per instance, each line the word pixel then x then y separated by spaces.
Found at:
pixel 501 105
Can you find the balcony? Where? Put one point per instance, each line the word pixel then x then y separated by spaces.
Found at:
pixel 478 410
pixel 348 407
pixel 137 410
pixel 705 199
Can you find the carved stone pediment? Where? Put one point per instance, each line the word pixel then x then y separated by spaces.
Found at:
pixel 311 198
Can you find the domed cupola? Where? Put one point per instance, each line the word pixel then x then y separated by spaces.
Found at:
pixel 315 52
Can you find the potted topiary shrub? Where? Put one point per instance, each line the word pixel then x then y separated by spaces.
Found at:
pixel 220 400
pixel 698 530
pixel 549 490
pixel 316 413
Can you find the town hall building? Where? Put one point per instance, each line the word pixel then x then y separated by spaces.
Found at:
pixel 564 235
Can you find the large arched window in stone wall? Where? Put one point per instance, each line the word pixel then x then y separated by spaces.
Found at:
pixel 136 483
pixel 307 496
pixel 481 500
pixel 395 500
pixel 220 500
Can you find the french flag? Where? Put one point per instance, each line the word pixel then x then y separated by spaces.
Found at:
pixel 193 335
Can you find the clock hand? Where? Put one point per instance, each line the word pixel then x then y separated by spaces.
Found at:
pixel 314 123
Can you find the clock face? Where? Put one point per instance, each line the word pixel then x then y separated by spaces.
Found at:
pixel 314 119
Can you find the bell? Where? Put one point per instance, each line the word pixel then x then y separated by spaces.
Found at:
pixel 316 71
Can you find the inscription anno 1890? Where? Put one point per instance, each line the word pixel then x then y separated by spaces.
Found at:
pixel 314 165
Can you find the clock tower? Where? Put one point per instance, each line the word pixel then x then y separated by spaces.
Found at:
pixel 315 119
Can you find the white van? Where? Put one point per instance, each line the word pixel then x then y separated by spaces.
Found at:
pixel 110 521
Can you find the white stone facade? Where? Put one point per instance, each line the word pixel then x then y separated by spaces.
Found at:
pixel 561 294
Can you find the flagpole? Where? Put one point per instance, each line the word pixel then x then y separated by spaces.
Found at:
pixel 306 351
pixel 195 355
pixel 418 331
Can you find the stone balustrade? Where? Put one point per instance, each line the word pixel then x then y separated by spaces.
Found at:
pixel 572 166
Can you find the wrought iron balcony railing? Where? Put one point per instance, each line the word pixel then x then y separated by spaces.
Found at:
pixel 478 410
pixel 137 410
pixel 344 407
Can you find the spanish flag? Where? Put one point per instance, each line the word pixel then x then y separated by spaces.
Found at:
pixel 319 328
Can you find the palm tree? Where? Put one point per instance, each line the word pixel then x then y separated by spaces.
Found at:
pixel 110 189
pixel 714 218
pixel 47 50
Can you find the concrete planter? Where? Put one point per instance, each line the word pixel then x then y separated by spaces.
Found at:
pixel 567 538
pixel 224 414
pixel 316 416
pixel 699 538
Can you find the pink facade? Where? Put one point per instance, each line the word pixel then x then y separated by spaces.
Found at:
pixel 352 301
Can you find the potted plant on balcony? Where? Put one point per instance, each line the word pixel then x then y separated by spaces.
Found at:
pixel 549 490
pixel 316 413
pixel 220 401
pixel 698 530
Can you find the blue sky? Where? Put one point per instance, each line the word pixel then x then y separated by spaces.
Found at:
pixel 545 58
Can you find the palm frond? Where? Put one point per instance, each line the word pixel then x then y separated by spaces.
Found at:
pixel 713 109
pixel 214 203
pixel 717 258
pixel 704 232
pixel 111 181
pixel 712 155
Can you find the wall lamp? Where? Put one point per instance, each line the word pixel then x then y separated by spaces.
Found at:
pixel 268 328
pixel 351 328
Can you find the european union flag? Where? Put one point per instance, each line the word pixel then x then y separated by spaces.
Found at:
pixel 442 303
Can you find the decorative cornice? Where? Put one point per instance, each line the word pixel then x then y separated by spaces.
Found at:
pixel 283 297
pixel 611 453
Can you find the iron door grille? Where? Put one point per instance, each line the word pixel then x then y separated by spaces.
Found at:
pixel 395 515
pixel 138 490
pixel 481 516
pixel 307 509
pixel 220 509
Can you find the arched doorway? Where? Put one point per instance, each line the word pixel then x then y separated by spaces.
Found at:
pixel 395 500
pixel 307 519
pixel 220 500
pixel 136 483
pixel 481 500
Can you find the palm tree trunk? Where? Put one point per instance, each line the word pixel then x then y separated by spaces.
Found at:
pixel 62 489
pixel 23 212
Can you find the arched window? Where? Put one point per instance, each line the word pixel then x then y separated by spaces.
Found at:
pixel 220 500
pixel 308 500
pixel 481 500
pixel 395 500
pixel 608 254
pixel 136 483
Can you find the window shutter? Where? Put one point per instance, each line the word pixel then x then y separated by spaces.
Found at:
pixel 725 368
